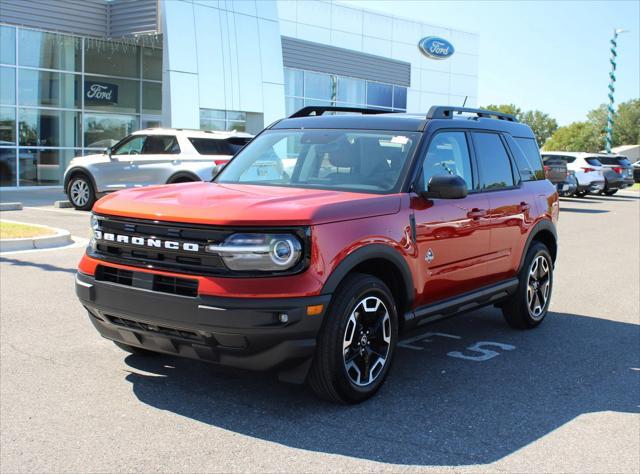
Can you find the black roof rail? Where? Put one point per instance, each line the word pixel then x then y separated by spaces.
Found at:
pixel 447 112
pixel 321 109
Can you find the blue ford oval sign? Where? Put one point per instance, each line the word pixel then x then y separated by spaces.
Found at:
pixel 436 47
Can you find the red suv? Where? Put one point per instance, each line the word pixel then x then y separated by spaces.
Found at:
pixel 324 240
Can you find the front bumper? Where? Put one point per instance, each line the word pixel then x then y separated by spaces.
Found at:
pixel 237 332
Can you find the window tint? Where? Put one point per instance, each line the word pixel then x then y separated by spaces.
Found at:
pixel 529 163
pixel 493 161
pixel 131 146
pixel 593 161
pixel 448 154
pixel 215 146
pixel 161 145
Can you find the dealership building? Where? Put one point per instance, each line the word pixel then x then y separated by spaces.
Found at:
pixel 78 75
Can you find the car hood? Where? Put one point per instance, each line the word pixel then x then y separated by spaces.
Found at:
pixel 88 159
pixel 250 205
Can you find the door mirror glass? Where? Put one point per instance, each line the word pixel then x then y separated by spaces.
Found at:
pixel 445 187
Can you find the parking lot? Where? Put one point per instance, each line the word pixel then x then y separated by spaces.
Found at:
pixel 467 393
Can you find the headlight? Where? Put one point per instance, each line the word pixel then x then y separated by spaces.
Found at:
pixel 259 252
pixel 94 223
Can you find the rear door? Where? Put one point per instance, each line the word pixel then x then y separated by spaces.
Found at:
pixel 159 158
pixel 509 203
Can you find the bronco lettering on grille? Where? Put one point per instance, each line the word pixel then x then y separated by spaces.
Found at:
pixel 146 242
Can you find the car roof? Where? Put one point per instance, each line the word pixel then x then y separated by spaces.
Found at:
pixel 576 154
pixel 221 135
pixel 395 121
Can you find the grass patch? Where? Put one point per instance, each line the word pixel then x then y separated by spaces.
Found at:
pixel 11 230
pixel 635 187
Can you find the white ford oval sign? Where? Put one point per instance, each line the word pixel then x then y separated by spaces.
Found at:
pixel 435 47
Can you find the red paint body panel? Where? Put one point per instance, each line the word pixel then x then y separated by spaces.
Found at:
pixel 244 205
pixel 470 249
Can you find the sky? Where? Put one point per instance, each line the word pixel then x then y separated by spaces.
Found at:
pixel 550 56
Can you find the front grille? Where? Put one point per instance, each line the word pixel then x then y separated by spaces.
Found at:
pixel 175 247
pixel 148 281
pixel 163 330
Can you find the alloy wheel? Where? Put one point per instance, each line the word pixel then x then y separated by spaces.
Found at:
pixel 367 341
pixel 79 192
pixel 539 286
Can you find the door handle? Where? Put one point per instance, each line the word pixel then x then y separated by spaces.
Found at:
pixel 524 206
pixel 476 213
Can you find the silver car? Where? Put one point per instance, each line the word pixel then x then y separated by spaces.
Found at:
pixel 152 156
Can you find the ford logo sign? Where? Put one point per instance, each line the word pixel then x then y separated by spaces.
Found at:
pixel 435 47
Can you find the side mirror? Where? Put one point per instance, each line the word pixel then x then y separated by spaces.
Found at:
pixel 108 151
pixel 445 187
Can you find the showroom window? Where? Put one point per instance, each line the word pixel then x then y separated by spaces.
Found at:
pixel 314 88
pixel 212 119
pixel 51 109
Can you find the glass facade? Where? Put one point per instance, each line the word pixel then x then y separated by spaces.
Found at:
pixel 211 119
pixel 313 88
pixel 63 95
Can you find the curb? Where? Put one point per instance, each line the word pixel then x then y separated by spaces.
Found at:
pixel 59 239
pixel 10 206
pixel 62 204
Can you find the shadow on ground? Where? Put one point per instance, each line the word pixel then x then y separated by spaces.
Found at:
pixel 47 267
pixel 582 210
pixel 434 409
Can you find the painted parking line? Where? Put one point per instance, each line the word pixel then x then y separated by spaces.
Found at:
pixel 60 211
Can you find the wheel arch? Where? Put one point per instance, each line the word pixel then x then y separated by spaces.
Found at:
pixel 75 172
pixel 183 174
pixel 381 261
pixel 545 232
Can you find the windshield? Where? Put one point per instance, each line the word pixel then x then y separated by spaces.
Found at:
pixel 349 160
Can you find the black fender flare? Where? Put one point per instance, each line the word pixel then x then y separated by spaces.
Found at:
pixel 79 170
pixel 183 174
pixel 371 252
pixel 543 225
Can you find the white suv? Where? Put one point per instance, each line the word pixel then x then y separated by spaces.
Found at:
pixel 587 169
pixel 152 156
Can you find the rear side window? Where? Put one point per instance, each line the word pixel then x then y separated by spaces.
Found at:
pixel 529 162
pixel 593 161
pixel 161 145
pixel 493 161
pixel 215 146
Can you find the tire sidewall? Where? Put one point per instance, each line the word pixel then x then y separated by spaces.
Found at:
pixel 366 287
pixel 91 200
pixel 534 252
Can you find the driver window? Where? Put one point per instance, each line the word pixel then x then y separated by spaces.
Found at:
pixel 448 154
pixel 131 147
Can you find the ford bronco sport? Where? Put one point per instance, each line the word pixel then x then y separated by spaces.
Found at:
pixel 324 240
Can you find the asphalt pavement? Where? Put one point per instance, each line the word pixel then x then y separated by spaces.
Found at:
pixel 465 394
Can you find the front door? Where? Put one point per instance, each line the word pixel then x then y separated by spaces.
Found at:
pixel 452 234
pixel 118 172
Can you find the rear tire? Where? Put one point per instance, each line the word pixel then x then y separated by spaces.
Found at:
pixel 528 306
pixel 81 193
pixel 610 192
pixel 134 350
pixel 581 194
pixel 357 342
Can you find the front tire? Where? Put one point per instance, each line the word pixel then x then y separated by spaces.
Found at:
pixel 610 192
pixel 81 193
pixel 356 345
pixel 528 306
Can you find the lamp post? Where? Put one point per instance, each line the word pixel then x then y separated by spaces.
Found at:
pixel 612 82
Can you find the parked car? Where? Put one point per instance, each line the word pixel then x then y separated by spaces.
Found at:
pixel 636 171
pixel 387 222
pixel 587 170
pixel 152 156
pixel 618 173
pixel 555 170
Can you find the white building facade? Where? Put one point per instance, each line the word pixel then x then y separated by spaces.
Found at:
pixel 234 64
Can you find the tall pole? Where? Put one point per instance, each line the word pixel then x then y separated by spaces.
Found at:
pixel 612 88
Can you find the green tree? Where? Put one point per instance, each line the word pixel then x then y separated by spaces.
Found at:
pixel 590 135
pixel 578 136
pixel 542 124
